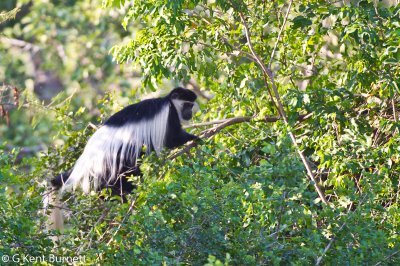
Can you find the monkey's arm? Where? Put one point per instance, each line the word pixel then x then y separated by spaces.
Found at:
pixel 188 137
pixel 179 139
pixel 59 180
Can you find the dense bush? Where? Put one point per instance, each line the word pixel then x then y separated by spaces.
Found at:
pixel 242 196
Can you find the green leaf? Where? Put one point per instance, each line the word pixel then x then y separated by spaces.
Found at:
pixel 301 22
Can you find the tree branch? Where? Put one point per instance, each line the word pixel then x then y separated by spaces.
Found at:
pixel 20 44
pixel 246 119
pixel 267 73
pixel 221 124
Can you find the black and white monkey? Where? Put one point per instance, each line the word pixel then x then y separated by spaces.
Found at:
pixel 111 154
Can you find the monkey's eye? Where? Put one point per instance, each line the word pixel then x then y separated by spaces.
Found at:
pixel 187 105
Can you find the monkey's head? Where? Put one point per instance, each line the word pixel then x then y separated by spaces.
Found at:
pixel 184 101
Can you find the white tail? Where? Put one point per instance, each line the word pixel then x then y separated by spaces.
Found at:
pixel 101 150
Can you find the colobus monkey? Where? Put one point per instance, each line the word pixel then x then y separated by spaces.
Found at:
pixel 111 154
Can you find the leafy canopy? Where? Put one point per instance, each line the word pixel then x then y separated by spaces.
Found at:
pixel 243 197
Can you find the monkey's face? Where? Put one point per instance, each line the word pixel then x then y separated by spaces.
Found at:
pixel 185 109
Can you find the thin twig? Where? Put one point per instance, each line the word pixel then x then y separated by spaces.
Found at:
pixel 394 110
pixel 278 227
pixel 123 220
pixel 235 51
pixel 93 126
pixel 387 257
pixel 279 34
pixel 319 260
pixel 101 219
pixel 245 118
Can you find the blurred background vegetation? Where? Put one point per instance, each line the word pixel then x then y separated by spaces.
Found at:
pixel 55 49
pixel 243 196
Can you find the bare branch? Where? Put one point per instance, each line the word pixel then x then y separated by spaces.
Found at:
pixel 221 124
pixel 217 122
pixel 211 132
pixel 246 119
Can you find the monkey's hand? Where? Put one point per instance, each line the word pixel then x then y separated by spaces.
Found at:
pixel 197 139
pixel 194 138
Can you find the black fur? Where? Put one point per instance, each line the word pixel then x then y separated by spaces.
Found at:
pixel 143 110
pixel 182 94
pixel 147 109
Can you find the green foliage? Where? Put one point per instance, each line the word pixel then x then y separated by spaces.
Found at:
pixel 241 197
pixel 5 16
pixel 54 50
pixel 22 220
